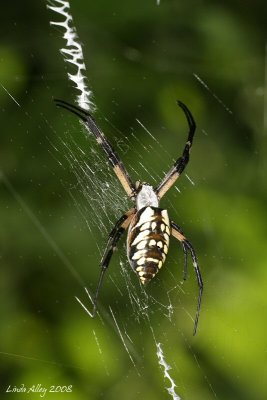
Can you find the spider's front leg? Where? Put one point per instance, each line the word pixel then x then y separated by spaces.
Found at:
pixel 116 233
pixel 178 234
pixel 178 167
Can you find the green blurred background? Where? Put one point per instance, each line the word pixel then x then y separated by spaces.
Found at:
pixel 140 58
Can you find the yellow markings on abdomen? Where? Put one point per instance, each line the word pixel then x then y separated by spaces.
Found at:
pixel 148 241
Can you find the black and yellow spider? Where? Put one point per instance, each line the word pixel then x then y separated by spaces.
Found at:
pixel 149 227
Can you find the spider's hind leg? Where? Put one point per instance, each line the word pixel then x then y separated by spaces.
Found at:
pixel 178 234
pixel 185 260
pixel 116 233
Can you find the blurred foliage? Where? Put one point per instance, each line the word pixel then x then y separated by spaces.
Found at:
pixel 140 58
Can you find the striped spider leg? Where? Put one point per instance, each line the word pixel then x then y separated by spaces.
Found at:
pixel 149 227
pixel 167 182
pixel 178 167
pixel 113 158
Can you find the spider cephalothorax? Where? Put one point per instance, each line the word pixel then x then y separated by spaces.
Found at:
pixel 149 227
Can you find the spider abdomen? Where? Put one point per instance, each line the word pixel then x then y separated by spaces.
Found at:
pixel 148 241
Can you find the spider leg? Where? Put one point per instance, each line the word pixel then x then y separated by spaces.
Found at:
pixel 185 260
pixel 119 228
pixel 113 158
pixel 178 234
pixel 178 167
pixel 184 247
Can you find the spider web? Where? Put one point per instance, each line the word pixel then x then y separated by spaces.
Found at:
pixel 99 200
pixel 140 321
pixel 96 187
